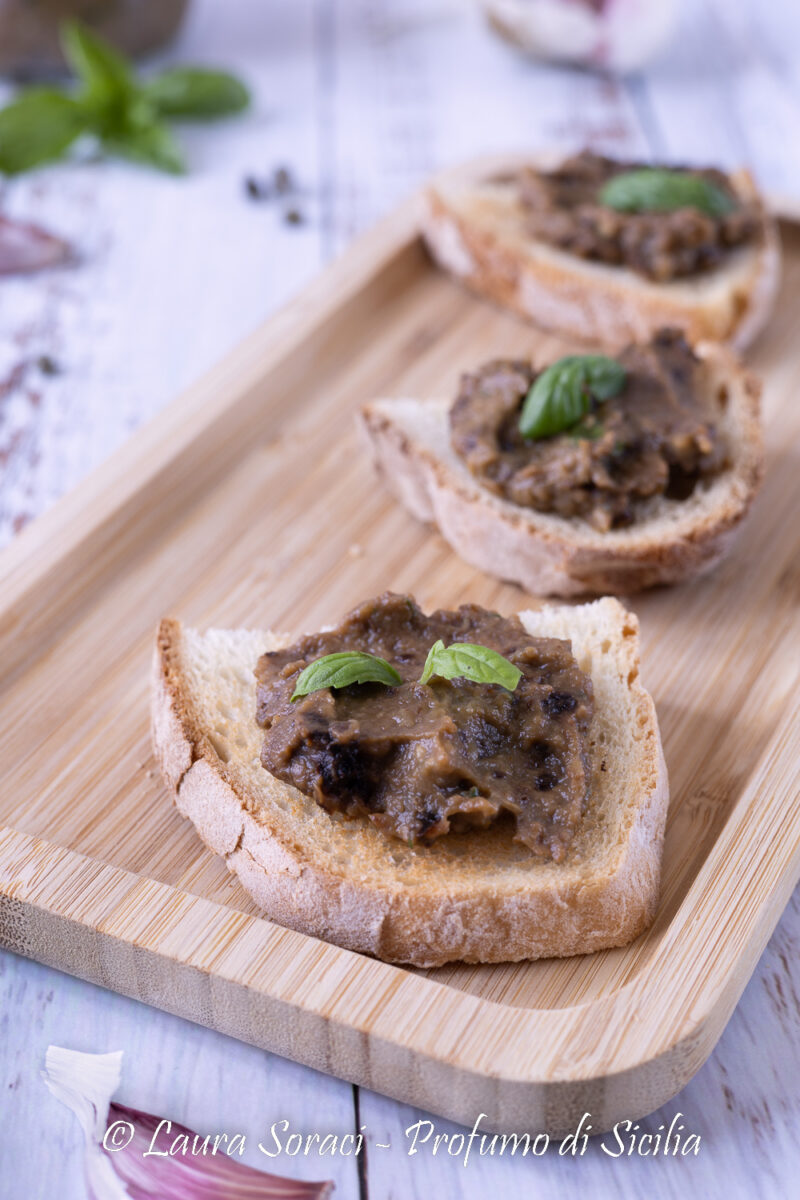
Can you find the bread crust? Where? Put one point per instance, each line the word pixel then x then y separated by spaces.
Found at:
pixel 441 918
pixel 470 230
pixel 550 556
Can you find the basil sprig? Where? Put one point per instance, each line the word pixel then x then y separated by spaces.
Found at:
pixel 658 189
pixel 565 392
pixel 125 114
pixel 469 661
pixel 37 128
pixel 343 668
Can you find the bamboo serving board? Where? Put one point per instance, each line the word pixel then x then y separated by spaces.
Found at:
pixel 249 501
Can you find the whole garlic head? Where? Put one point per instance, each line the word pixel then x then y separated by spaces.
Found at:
pixel 611 35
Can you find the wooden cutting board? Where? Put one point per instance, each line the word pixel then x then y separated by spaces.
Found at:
pixel 249 501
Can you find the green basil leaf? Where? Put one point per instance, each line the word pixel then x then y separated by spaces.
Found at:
pixel 469 661
pixel 151 144
pixel 658 189
pixel 195 92
pixel 106 76
pixel 605 377
pixel 341 669
pixel 564 392
pixel 37 128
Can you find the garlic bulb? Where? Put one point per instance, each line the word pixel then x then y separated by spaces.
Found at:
pixel 611 35
pixel 120 1159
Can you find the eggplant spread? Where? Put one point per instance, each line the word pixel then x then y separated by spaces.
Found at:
pixel 563 207
pixel 656 437
pixel 422 760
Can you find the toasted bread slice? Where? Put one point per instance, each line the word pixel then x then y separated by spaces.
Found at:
pixel 559 556
pixel 475 229
pixel 477 896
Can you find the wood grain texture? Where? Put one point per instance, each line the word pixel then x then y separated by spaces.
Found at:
pixel 362 100
pixel 97 878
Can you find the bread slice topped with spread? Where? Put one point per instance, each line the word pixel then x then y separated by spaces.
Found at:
pixel 425 788
pixel 588 474
pixel 610 251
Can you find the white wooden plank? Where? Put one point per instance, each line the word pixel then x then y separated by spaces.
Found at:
pixel 718 99
pixel 686 97
pixel 763 41
pixel 171 1068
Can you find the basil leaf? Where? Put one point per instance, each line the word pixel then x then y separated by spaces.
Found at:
pixel 152 144
pixel 106 76
pixel 37 128
pixel 194 92
pixel 469 661
pixel 564 392
pixel 341 669
pixel 658 189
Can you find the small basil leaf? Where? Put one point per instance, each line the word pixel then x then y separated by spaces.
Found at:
pixel 343 668
pixel 605 377
pixel 105 74
pixel 469 661
pixel 194 92
pixel 568 393
pixel 37 128
pixel 563 393
pixel 658 189
pixel 152 144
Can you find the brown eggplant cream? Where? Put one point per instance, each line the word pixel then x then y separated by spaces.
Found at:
pixel 565 208
pixel 655 437
pixel 450 755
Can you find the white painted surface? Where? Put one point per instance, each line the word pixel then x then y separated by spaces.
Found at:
pixel 362 99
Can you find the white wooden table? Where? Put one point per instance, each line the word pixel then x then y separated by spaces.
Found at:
pixel 361 100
